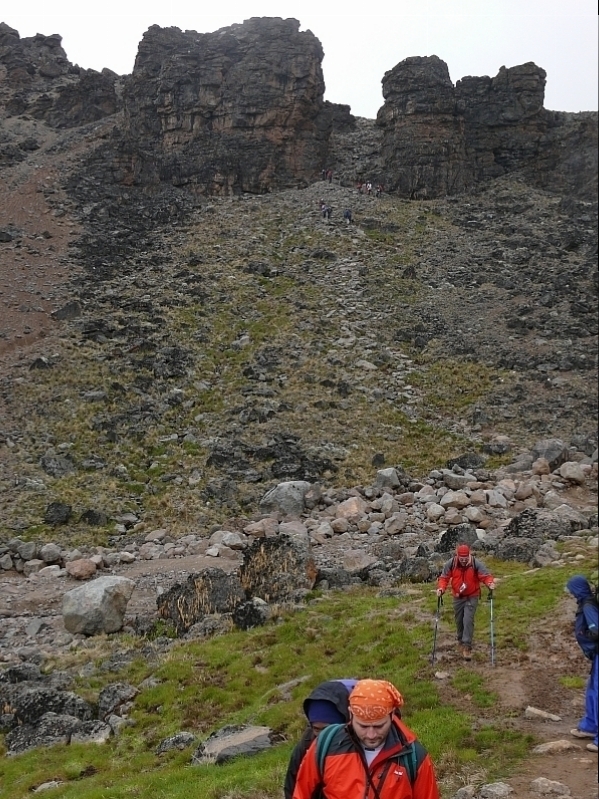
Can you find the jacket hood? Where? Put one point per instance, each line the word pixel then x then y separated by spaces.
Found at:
pixel 579 587
pixel 334 691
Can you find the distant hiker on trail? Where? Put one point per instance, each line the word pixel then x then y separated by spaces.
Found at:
pixel 369 188
pixel 376 755
pixel 323 174
pixel 327 704
pixel 347 216
pixel 330 175
pixel 379 190
pixel 326 211
pixel 360 187
pixel 464 573
pixel 586 630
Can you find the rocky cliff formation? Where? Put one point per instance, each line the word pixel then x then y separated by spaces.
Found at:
pixel 37 79
pixel 439 139
pixel 237 110
pixel 242 110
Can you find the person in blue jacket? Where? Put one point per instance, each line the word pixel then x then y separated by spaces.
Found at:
pixel 586 629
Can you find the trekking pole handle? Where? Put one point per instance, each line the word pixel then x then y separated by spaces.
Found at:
pixel 490 595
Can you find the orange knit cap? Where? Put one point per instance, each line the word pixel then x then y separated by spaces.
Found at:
pixel 372 699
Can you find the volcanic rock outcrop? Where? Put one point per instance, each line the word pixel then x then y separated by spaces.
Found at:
pixel 36 78
pixel 238 110
pixel 242 110
pixel 439 139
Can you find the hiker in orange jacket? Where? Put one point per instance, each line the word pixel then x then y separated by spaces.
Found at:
pixel 375 756
pixel 464 573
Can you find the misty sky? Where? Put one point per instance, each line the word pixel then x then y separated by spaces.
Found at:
pixel 360 40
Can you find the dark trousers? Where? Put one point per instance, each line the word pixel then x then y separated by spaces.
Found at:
pixel 464 610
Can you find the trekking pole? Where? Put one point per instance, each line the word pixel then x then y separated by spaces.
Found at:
pixel 437 615
pixel 490 600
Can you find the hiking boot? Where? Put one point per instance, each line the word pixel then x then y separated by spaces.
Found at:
pixel 466 653
pixel 582 734
pixel 592 747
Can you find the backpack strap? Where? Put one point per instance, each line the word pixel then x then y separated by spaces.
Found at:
pixel 411 758
pixel 323 744
pixel 408 761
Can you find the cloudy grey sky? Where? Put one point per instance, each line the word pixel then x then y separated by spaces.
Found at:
pixel 361 41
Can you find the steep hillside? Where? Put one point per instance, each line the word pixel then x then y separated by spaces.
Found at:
pixel 173 354
pixel 212 348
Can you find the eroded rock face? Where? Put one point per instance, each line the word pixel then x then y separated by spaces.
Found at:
pixel 439 139
pixel 238 110
pixel 36 78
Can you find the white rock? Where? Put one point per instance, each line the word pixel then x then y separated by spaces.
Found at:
pixel 156 535
pixel 435 512
pixel 544 786
pixel 536 713
pixel 455 499
pixel 474 514
pixel 295 530
pixel 572 471
pixel 495 790
pixel 51 571
pixel 356 559
pixel 496 499
pixel 350 509
pixel 554 746
pixel 98 606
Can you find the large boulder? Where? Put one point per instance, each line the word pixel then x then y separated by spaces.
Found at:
pixel 203 594
pixel 275 569
pixel 286 498
pixel 50 730
pixel 520 549
pixel 460 534
pixel 97 607
pixel 233 741
pixel 31 703
pixel 553 450
pixel 539 524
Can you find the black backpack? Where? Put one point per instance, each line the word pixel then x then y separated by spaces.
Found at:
pixel 592 633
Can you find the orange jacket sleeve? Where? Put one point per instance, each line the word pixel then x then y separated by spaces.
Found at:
pixel 425 786
pixel 307 776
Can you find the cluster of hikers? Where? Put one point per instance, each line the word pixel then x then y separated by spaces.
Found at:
pixel 326 212
pixel 356 743
pixel 367 188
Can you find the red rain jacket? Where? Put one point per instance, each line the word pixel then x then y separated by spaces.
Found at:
pixel 470 576
pixel 345 770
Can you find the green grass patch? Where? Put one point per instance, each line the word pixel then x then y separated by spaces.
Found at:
pixel 240 677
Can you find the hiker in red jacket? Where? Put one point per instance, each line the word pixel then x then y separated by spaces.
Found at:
pixel 375 756
pixel 464 573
